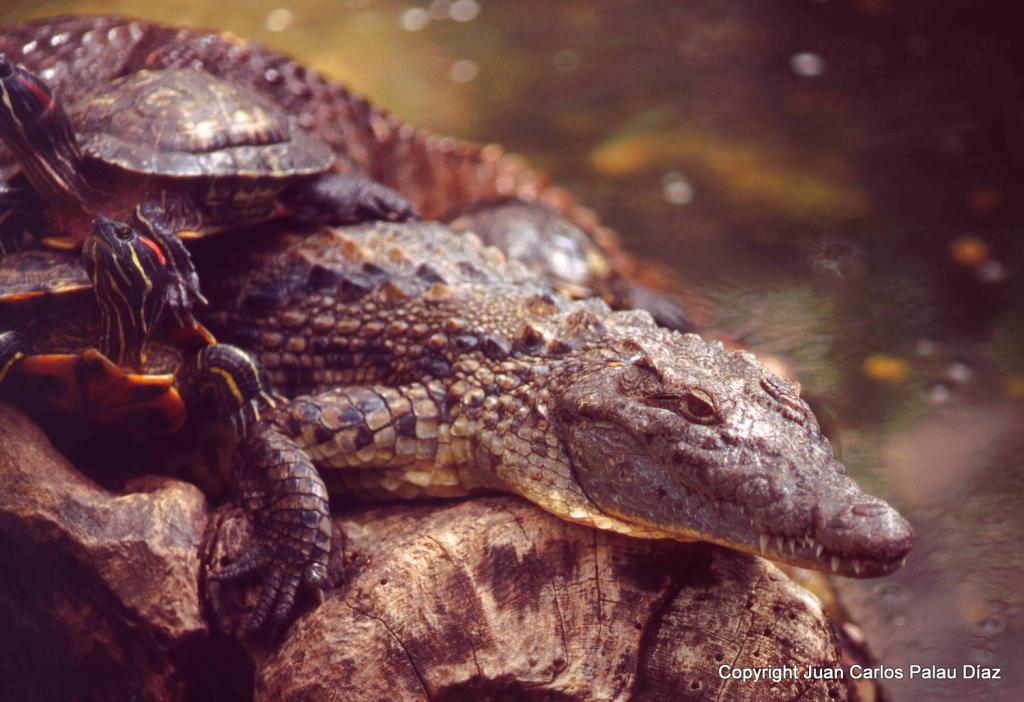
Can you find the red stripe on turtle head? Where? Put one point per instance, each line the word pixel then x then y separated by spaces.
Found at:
pixel 41 94
pixel 156 249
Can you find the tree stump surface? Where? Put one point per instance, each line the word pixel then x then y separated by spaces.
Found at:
pixel 482 599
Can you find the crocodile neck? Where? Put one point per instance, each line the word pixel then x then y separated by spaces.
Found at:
pixel 486 428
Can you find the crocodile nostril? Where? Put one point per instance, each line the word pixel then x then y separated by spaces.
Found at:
pixel 870 509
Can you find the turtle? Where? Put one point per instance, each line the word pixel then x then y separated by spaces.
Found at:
pixel 115 358
pixel 176 153
pixel 88 336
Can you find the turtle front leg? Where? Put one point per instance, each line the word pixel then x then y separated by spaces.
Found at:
pixel 340 199
pixel 13 348
pixel 240 386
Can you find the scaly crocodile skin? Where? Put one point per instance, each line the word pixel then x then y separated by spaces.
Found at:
pixel 420 363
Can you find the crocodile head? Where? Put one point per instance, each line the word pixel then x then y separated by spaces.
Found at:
pixel 685 439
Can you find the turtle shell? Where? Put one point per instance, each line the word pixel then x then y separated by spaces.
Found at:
pixel 87 385
pixel 186 123
pixel 32 274
pixel 47 296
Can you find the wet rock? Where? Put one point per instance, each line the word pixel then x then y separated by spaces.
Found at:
pixel 493 599
pixel 99 596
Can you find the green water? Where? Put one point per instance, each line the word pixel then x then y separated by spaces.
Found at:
pixel 839 181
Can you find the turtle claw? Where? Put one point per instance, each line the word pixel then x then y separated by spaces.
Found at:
pixel 20 219
pixel 338 199
pixel 14 233
pixel 666 311
pixel 13 348
pixel 386 204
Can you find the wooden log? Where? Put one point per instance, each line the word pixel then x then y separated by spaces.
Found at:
pixel 482 599
pixel 493 599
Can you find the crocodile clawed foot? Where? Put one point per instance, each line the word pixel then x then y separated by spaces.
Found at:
pixel 287 499
pixel 287 570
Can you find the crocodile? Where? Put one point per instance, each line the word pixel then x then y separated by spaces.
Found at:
pixel 442 177
pixel 420 363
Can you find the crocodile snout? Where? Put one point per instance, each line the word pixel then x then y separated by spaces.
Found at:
pixel 862 527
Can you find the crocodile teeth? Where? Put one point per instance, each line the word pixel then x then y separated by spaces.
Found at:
pixel 835 564
pixel 764 543
pixel 817 550
pixel 779 543
pixel 791 544
pixel 856 566
pixel 903 562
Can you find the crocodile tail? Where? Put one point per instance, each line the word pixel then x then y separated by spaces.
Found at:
pixel 443 177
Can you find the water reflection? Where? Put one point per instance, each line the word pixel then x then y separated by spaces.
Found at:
pixel 840 182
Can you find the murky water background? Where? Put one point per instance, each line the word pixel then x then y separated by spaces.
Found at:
pixel 840 180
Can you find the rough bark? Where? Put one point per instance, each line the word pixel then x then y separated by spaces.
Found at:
pixel 491 599
pixel 484 599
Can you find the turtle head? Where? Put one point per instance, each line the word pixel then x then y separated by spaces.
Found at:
pixel 35 127
pixel 28 102
pixel 130 274
pixel 159 220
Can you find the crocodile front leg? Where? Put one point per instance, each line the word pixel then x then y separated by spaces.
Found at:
pixel 401 442
pixel 279 486
pixel 389 440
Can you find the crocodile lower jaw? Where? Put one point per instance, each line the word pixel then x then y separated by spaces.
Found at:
pixel 804 552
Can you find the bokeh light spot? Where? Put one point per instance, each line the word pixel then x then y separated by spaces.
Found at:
pixel 279 20
pixel 886 368
pixel 807 64
pixel 464 71
pixel 414 19
pixel 676 189
pixel 464 10
pixel 968 251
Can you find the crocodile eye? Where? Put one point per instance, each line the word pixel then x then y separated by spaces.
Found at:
pixel 698 406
